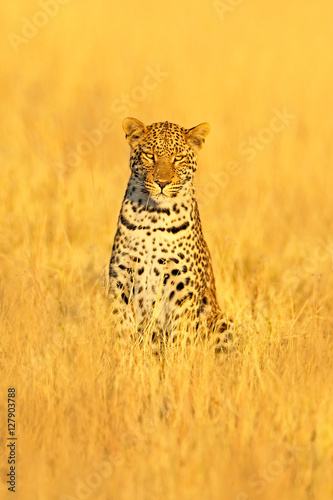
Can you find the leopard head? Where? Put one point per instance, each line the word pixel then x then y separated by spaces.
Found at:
pixel 163 155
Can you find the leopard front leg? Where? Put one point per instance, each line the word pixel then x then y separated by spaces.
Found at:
pixel 118 286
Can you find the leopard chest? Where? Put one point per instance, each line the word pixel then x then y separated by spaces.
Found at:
pixel 153 257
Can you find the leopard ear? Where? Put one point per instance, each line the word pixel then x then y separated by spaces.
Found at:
pixel 196 136
pixel 134 130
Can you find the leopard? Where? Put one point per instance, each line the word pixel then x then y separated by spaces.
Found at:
pixel 160 274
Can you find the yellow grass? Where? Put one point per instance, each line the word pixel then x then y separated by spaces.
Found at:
pixel 99 418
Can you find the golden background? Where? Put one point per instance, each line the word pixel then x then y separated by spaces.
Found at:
pixel 97 418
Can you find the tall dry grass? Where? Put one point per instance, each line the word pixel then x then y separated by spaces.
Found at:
pixel 98 418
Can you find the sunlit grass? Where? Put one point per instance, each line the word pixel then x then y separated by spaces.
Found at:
pixel 102 417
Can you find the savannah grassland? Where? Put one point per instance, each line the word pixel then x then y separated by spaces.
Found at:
pixel 103 419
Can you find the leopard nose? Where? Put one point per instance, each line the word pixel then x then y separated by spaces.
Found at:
pixel 162 184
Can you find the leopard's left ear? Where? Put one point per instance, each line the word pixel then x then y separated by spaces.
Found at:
pixel 134 130
pixel 196 136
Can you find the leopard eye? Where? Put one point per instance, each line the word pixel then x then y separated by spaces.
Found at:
pixel 150 156
pixel 179 157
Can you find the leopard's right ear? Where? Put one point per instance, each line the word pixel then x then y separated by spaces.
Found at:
pixel 134 130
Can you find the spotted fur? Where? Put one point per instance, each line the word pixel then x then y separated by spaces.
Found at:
pixel 160 271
